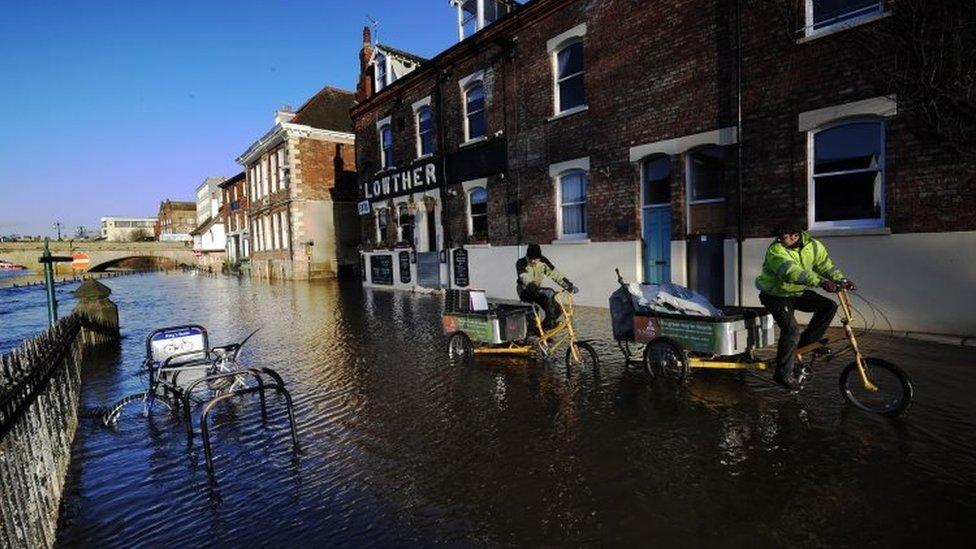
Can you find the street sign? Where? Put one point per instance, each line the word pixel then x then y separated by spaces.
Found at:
pixel 363 207
pixel 80 261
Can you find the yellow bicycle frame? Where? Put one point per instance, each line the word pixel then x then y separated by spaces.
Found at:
pixel 550 340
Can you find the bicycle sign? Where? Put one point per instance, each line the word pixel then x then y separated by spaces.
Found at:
pixel 166 343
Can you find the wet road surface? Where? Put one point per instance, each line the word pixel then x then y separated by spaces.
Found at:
pixel 401 447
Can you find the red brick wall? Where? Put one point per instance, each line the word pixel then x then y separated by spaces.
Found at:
pixel 328 169
pixel 658 70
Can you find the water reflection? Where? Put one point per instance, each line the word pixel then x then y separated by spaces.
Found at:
pixel 401 447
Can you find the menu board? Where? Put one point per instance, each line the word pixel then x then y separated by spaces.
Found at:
pixel 405 267
pixel 461 268
pixel 381 269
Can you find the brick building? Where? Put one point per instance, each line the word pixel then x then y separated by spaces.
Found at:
pixel 619 134
pixel 301 188
pixel 175 221
pixel 234 215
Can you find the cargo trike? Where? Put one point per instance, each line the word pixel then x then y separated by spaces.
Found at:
pixel 475 326
pixel 677 344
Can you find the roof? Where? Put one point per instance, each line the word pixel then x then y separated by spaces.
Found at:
pixel 174 205
pixel 231 180
pixel 400 53
pixel 327 110
pixel 205 226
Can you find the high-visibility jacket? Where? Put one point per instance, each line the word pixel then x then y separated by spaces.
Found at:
pixel 787 272
pixel 535 272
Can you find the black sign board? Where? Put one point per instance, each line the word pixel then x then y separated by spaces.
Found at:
pixel 461 268
pixel 418 176
pixel 381 269
pixel 405 267
pixel 481 160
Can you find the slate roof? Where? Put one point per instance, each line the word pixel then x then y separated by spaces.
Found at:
pixel 401 53
pixel 327 110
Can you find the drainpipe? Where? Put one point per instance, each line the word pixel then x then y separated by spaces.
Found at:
pixel 738 98
pixel 442 149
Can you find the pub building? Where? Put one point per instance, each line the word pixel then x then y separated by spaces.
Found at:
pixel 623 135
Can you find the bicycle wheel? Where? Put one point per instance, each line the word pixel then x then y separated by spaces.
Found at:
pixel 895 391
pixel 112 413
pixel 459 348
pixel 665 358
pixel 587 357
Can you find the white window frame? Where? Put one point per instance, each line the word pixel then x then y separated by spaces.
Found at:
pixel 422 104
pixel 380 124
pixel 377 60
pixel 274 231
pixel 554 46
pixel 556 172
pixel 873 223
pixel 870 14
pixel 396 207
pixel 468 188
pixel 466 84
pixel 379 212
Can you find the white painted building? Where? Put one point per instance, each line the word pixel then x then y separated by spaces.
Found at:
pixel 127 229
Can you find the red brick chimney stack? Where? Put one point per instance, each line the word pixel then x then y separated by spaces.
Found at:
pixel 365 88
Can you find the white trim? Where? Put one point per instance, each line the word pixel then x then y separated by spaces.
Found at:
pixel 569 112
pixel 557 80
pixel 472 141
pixel 582 164
pixel 878 231
pixel 380 124
pixel 425 102
pixel 383 121
pixel 471 78
pixel 883 105
pixel 569 240
pixel 469 187
pixel 577 32
pixel 678 145
pixel 846 224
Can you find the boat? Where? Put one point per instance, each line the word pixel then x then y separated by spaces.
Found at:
pixel 8 266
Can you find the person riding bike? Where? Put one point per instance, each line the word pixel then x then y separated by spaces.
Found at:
pixel 532 271
pixel 796 263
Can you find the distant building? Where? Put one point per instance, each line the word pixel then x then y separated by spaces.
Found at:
pixel 209 240
pixel 301 188
pixel 234 215
pixel 128 229
pixel 176 220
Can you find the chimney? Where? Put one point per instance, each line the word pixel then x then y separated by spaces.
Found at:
pixel 284 114
pixel 364 90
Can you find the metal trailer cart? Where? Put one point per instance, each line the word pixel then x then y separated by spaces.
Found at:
pixel 500 329
pixel 677 344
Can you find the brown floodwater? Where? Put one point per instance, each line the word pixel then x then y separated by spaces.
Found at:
pixel 400 447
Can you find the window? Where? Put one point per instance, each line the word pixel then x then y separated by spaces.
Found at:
pixel 570 93
pixel 425 132
pixel 469 18
pixel 657 182
pixel 405 221
pixel 847 175
pixel 381 224
pixel 474 111
pixel 824 14
pixel 379 64
pixel 478 212
pixel 572 203
pixel 386 145
pixel 706 174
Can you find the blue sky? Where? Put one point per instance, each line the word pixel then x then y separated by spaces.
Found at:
pixel 111 105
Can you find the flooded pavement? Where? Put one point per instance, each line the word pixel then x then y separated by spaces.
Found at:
pixel 401 447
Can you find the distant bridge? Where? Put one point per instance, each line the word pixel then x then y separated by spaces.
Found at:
pixel 104 255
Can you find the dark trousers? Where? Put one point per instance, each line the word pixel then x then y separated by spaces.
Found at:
pixel 545 298
pixel 790 339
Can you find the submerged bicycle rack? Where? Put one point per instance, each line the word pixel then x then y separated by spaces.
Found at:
pixel 177 350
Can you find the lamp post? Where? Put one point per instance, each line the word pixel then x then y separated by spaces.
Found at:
pixel 48 261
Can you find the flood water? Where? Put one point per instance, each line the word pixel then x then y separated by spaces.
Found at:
pixel 400 447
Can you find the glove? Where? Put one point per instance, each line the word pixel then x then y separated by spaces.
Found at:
pixel 570 287
pixel 849 284
pixel 829 286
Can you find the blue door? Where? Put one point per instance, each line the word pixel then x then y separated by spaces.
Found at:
pixel 656 213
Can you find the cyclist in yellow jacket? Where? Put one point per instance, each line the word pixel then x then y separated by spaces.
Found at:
pixel 532 270
pixel 795 264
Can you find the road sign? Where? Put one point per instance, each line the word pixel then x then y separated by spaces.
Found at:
pixel 80 261
pixel 363 207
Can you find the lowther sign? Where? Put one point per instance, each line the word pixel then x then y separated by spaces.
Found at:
pixel 419 176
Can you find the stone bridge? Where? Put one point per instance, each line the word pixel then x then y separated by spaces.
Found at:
pixel 104 255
